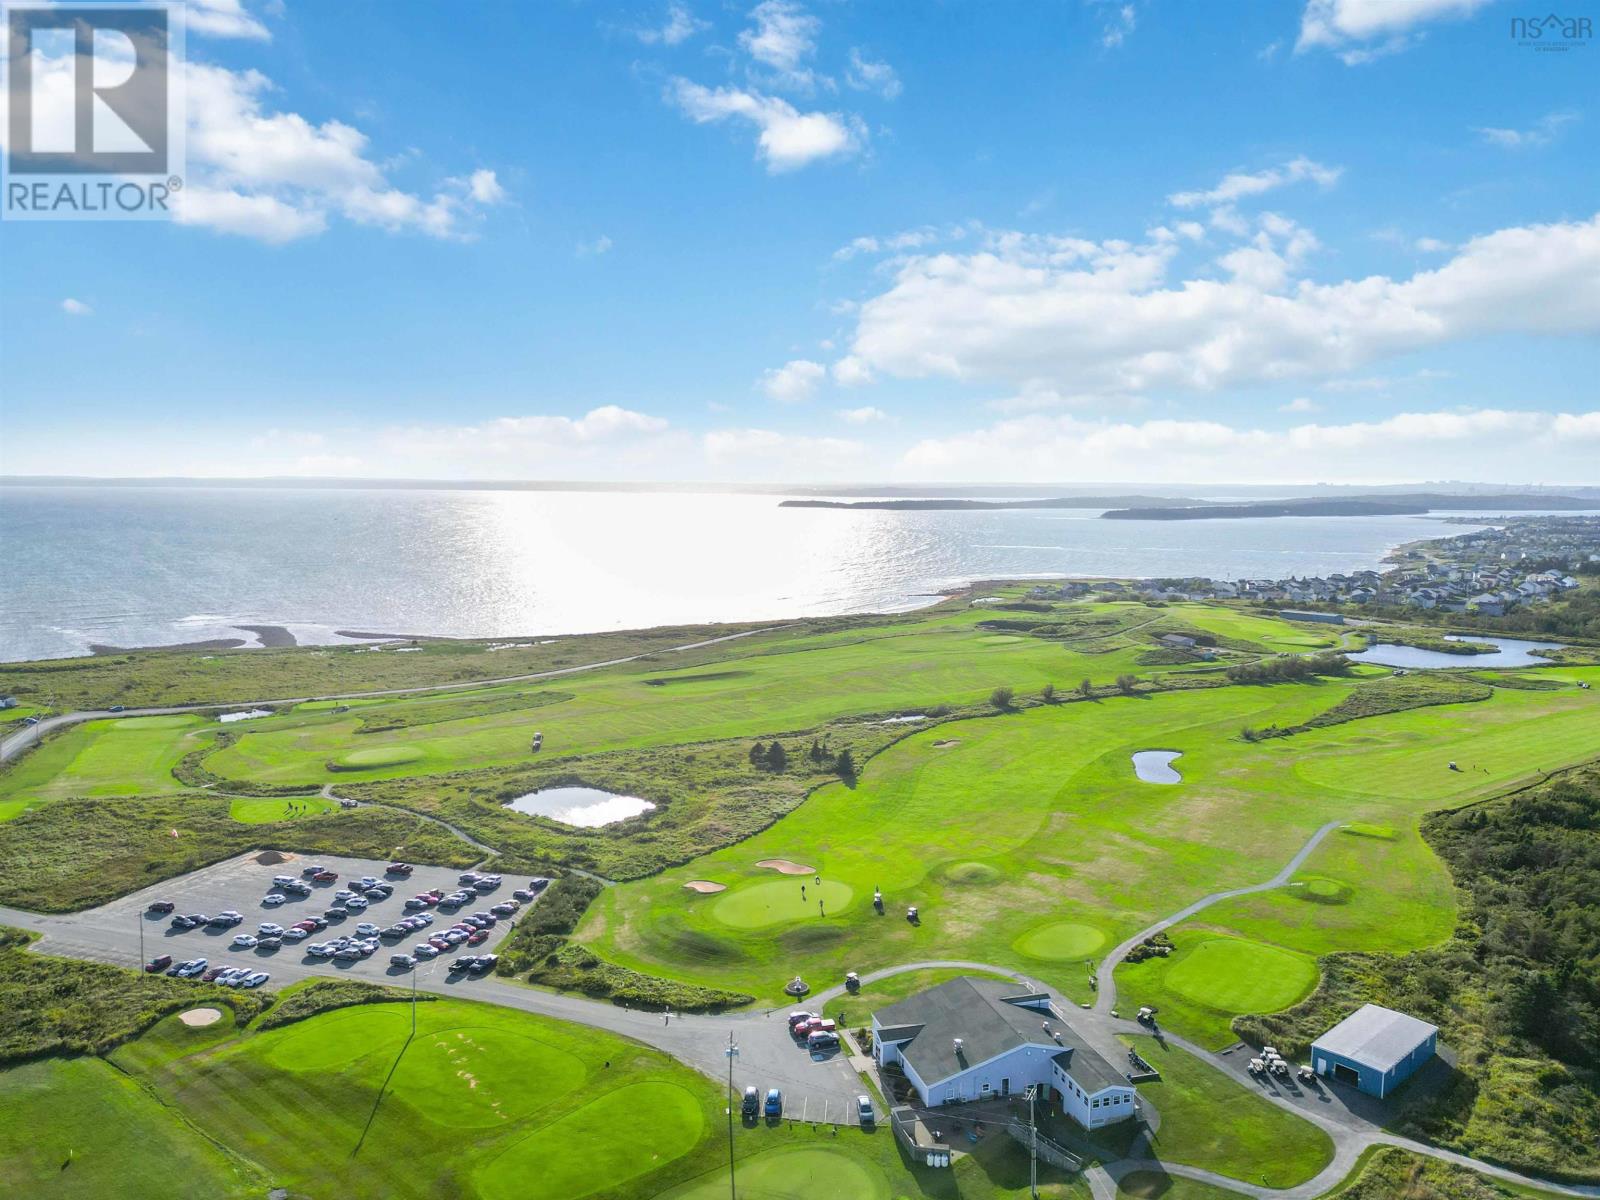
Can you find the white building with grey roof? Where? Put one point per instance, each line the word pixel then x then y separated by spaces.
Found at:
pixel 974 1039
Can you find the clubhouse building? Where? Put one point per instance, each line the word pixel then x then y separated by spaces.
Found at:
pixel 975 1039
pixel 1374 1049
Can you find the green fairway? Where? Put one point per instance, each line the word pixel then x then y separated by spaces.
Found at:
pixel 1061 941
pixel 805 1173
pixel 377 757
pixel 260 811
pixel 79 1129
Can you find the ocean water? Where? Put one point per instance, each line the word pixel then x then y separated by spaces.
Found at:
pixel 153 566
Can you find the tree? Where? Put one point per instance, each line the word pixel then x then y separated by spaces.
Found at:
pixel 1048 693
pixel 1002 697
pixel 758 755
pixel 845 764
pixel 1085 688
pixel 777 757
pixel 1125 684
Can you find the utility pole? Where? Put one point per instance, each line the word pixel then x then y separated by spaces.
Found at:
pixel 142 959
pixel 732 1052
pixel 413 1001
pixel 1033 1144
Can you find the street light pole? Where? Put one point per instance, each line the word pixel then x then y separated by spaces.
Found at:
pixel 142 959
pixel 732 1053
pixel 1033 1144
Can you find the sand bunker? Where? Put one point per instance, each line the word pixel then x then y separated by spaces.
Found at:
pixel 705 886
pixel 271 858
pixel 784 867
pixel 201 1016
pixel 947 743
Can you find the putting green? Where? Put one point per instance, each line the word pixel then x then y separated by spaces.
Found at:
pixel 1321 891
pixel 378 756
pixel 1236 975
pixel 1061 941
pixel 474 1075
pixel 800 1174
pixel 779 901
pixel 625 1133
pixel 336 1039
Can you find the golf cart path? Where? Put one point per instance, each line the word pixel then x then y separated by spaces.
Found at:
pixel 31 735
pixel 1106 993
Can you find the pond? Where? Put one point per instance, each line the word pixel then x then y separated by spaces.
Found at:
pixel 583 806
pixel 251 715
pixel 1155 766
pixel 1512 653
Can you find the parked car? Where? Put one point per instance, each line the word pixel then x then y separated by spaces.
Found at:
pixel 268 928
pixel 356 904
pixel 192 968
pixel 285 880
pixel 399 868
pixel 402 960
pixel 298 888
pixel 751 1105
pixel 344 895
pixel 464 962
pixel 273 899
pixel 440 943
pixel 158 964
pixel 396 931
pixel 309 871
pixel 271 942
pixel 864 1110
pixel 256 978
pixel 225 920
pixel 424 950
pixel 799 1015
pixel 774 1105
pixel 538 883
pixel 479 938
pixel 183 922
pixel 416 902
pixel 160 906
pixel 467 878
pixel 295 935
pixel 347 954
pixel 822 1040
pixel 337 913
pixel 366 881
pixel 523 894
pixel 366 929
pixel 483 964
pixel 244 941
pixel 325 877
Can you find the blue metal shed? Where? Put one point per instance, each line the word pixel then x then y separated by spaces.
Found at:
pixel 1374 1049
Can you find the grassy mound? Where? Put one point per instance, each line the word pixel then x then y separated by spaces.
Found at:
pixel 375 758
pixel 1321 891
pixel 779 902
pixel 970 873
pixel 1061 941
pixel 803 1171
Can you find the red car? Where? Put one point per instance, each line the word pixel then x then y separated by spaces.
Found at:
pixel 308 926
pixel 399 868
pixel 160 906
pixel 158 964
pixel 325 876
pixel 438 943
pixel 478 938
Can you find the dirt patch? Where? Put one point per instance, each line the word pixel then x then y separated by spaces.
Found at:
pixel 271 858
pixel 946 743
pixel 784 867
pixel 705 886
pixel 198 1017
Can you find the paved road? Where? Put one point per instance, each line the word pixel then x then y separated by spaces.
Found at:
pixel 30 735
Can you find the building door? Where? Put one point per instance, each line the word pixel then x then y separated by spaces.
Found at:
pixel 1346 1074
pixel 1005 1087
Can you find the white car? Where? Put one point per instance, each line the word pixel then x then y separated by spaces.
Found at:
pixel 244 941
pixel 273 899
pixel 268 929
pixel 319 950
pixel 256 979
pixel 367 929
pixel 294 935
pixel 348 954
pixel 423 950
pixel 356 904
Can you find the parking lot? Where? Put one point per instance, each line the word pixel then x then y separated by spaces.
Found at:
pixel 124 932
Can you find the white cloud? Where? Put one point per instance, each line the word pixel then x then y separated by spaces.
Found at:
pixel 1117 22
pixel 1406 446
pixel 804 457
pixel 1240 185
pixel 865 75
pixel 1428 245
pixel 600 245
pixel 276 176
pixel 1300 404
pixel 1544 131
pixel 1081 316
pixel 850 371
pixel 677 27
pixel 895 243
pixel 783 36
pixel 224 18
pixel 1361 31
pixel 787 138
pixel 76 308
pixel 862 416
pixel 796 380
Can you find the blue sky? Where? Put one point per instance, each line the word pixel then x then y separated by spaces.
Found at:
pixel 1079 241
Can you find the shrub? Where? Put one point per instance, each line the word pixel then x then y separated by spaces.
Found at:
pixel 1002 698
